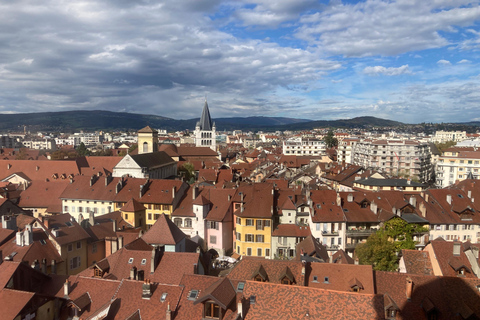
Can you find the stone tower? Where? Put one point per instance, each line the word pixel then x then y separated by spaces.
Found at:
pixel 205 134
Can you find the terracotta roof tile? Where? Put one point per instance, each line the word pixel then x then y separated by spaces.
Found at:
pixel 164 231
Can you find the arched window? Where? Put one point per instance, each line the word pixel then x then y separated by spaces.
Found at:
pixel 145 147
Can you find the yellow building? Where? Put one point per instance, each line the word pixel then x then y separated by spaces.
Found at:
pixel 147 140
pixel 253 214
pixel 133 212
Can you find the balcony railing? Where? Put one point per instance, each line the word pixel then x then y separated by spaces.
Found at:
pixel 359 232
pixel 329 233
pixel 333 247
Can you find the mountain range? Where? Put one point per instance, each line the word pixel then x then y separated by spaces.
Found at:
pixel 73 121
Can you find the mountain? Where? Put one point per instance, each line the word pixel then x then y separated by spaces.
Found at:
pixel 70 121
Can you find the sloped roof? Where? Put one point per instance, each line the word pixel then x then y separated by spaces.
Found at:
pixel 221 291
pixel 13 302
pixel 133 206
pixel 147 129
pixel 417 262
pixel 205 120
pixel 152 159
pixel 163 232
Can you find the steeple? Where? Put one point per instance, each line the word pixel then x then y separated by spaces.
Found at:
pixel 205 120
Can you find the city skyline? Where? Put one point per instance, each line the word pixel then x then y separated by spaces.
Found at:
pixel 410 61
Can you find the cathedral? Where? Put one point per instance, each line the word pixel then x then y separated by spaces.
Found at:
pixel 205 135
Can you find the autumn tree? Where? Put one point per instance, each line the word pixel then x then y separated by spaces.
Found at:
pixel 187 170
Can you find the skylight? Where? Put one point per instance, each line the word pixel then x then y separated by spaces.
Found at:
pixel 163 297
pixel 130 260
pixel 240 286
pixel 192 295
pixel 144 261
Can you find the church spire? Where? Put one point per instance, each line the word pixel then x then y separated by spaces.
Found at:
pixel 205 120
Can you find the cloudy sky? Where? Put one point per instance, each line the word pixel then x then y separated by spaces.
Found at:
pixel 405 60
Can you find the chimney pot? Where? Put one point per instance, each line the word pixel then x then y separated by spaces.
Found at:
pixel 66 288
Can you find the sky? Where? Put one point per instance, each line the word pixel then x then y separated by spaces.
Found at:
pixel 408 60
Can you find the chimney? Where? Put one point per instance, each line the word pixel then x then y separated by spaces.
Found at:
pixel 54 267
pixel 240 309
pixel 339 200
pixel 114 225
pixel 169 313
pixel 28 235
pixel 173 193
pixel 37 168
pixel 146 290
pixel 92 180
pixel 229 197
pixel 469 194
pixel 195 268
pixel 133 273
pixel 409 289
pixel 456 248
pixel 71 180
pixel 66 288
pixel 423 209
pixel 119 186
pixel 413 201
pixel 373 207
pixel 114 246
pixel 19 239
pixel 152 261
pixel 449 198
pixel 91 218
pixel 9 166
pixel 120 242
pixel 108 179
pixel 241 207
pixel 350 197
pixel 241 196
pixel 44 266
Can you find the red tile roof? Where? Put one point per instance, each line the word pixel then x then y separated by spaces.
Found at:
pixel 291 230
pixel 164 232
pixel 13 302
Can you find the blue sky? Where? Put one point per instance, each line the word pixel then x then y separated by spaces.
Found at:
pixel 410 60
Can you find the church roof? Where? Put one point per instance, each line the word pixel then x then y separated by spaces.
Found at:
pixel 147 129
pixel 205 121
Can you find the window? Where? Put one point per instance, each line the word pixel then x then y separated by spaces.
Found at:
pixel 212 310
pixel 166 207
pixel 259 252
pixel 130 261
pixel 249 222
pixel 79 245
pixel 240 286
pixel 249 237
pixel 188 223
pixel 213 239
pixel 70 247
pixel 239 237
pixel 249 251
pixel 266 223
pixel 65 209
pixel 149 216
pixel 126 216
pixel 238 220
pixel 212 225
pixel 325 280
pixel 144 262
pixel 267 252
pixel 74 263
pixel 178 222
pixel 315 279
pixel 192 295
pixel 259 238
pixel 259 225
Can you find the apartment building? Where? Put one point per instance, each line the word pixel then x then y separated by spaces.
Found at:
pixel 444 136
pixel 304 147
pixel 457 164
pixel 344 150
pixel 395 157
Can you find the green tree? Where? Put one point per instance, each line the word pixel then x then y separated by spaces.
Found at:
pixel 330 139
pixel 132 148
pixel 378 251
pixel 82 150
pixel 445 145
pixel 188 172
pixel 382 248
pixel 22 154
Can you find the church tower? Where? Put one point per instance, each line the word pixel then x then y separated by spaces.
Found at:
pixel 147 140
pixel 205 135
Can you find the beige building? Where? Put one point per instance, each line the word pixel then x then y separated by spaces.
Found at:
pixel 444 136
pixel 147 140
pixel 457 164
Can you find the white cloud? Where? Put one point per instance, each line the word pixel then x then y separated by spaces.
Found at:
pixel 464 61
pixel 375 27
pixel 377 70
pixel 444 62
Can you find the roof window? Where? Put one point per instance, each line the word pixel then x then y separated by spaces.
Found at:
pixel 240 286
pixel 192 295
pixel 130 261
pixel 163 297
pixel 144 261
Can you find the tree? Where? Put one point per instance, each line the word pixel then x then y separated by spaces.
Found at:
pixel 378 251
pixel 132 148
pixel 188 172
pixel 382 248
pixel 445 145
pixel 330 139
pixel 82 150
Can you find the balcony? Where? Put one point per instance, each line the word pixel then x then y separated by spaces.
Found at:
pixel 329 233
pixel 360 232
pixel 333 247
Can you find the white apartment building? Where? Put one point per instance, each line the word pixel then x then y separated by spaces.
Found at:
pixel 395 157
pixel 444 136
pixel 304 147
pixel 344 150
pixel 40 144
pixel 457 164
